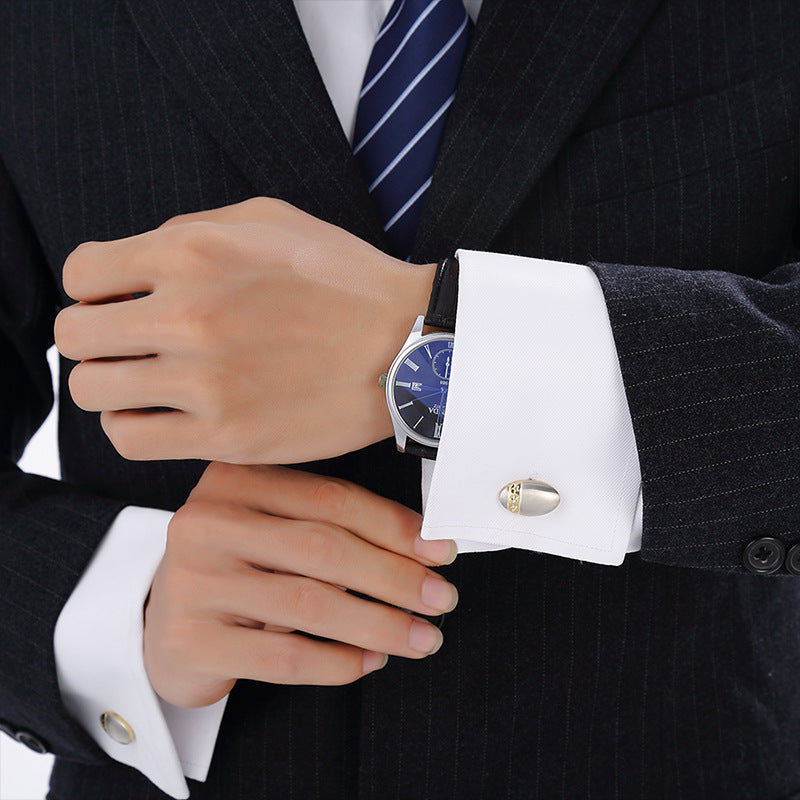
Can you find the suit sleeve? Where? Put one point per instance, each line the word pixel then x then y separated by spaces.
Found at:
pixel 48 530
pixel 711 366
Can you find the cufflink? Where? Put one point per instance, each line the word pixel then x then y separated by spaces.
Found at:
pixel 117 728
pixel 529 498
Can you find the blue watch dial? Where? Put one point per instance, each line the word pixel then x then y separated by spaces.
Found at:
pixel 420 387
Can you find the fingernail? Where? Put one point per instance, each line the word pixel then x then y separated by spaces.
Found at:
pixel 438 594
pixel 374 661
pixel 424 637
pixel 439 551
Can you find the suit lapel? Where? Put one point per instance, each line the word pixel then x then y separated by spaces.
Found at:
pixel 531 72
pixel 244 69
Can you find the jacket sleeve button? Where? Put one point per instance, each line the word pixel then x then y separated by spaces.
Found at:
pixel 30 741
pixel 793 560
pixel 764 556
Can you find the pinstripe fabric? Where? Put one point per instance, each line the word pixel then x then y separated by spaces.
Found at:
pixel 662 134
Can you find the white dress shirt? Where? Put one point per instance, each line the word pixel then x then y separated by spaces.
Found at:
pixel 535 392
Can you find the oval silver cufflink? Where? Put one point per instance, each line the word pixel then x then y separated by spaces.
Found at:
pixel 117 727
pixel 529 498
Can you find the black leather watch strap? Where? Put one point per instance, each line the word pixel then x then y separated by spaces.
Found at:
pixel 422 450
pixel 444 296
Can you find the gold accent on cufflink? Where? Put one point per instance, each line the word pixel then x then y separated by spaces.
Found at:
pixel 117 728
pixel 529 498
pixel 514 497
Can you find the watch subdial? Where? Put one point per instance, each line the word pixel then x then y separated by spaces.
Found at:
pixel 440 363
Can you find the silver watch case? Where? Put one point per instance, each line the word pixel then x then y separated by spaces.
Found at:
pixel 403 431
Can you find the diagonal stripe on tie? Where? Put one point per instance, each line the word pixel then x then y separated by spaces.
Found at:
pixel 408 88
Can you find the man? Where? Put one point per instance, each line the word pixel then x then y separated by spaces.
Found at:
pixel 662 134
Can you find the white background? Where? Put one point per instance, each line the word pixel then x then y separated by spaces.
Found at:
pixel 24 775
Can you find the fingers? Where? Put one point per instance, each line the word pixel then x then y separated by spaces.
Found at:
pixel 97 271
pixel 86 331
pixel 331 554
pixel 290 659
pixel 318 608
pixel 140 435
pixel 137 383
pixel 293 494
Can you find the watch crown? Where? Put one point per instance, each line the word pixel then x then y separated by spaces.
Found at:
pixel 382 379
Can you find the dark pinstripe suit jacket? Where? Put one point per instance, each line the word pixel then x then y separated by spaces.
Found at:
pixel 623 132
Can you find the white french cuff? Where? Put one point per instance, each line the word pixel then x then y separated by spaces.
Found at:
pixel 100 663
pixel 535 393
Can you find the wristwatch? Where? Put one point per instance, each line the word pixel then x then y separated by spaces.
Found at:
pixel 419 377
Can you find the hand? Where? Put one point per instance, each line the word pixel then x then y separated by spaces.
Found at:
pixel 257 553
pixel 263 328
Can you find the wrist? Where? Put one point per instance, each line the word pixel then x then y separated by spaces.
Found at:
pixel 408 293
pixel 415 291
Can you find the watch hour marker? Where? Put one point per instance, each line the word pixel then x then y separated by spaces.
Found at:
pixel 404 384
pixel 428 350
pixel 406 405
pixel 418 422
pixel 437 430
pixel 409 363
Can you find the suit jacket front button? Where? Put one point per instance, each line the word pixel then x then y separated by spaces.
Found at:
pixel 793 560
pixel 764 556
pixel 31 741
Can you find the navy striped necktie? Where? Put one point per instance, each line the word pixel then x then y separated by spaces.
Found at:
pixel 408 88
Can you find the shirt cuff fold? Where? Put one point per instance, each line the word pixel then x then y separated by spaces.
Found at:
pixel 535 392
pixel 100 661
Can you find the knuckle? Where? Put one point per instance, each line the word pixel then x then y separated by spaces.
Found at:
pixel 128 445
pixel 65 332
pixel 401 519
pixel 264 204
pixel 308 603
pixel 219 478
pixel 191 241
pixel 178 219
pixel 191 525
pixel 322 546
pixel 284 660
pixel 75 267
pixel 185 521
pixel 349 671
pixel 401 579
pixel 79 386
pixel 193 326
pixel 178 638
pixel 332 498
pixel 389 633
